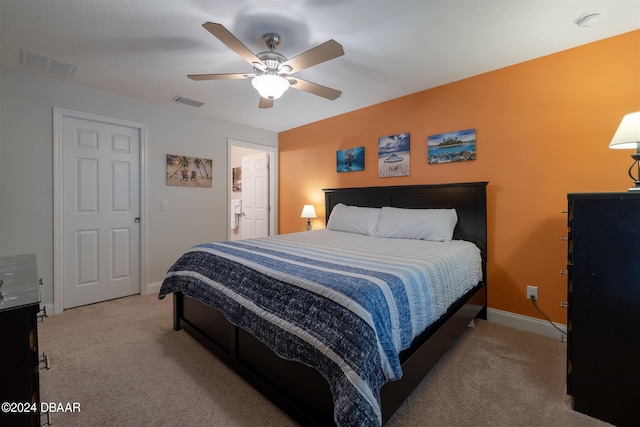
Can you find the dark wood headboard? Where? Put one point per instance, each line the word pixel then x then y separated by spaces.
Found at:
pixel 468 199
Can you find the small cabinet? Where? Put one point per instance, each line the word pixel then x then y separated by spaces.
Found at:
pixel 603 351
pixel 19 357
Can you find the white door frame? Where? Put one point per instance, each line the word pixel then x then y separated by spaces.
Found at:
pixel 273 180
pixel 58 197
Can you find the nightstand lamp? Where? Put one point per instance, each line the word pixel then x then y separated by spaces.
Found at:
pixel 308 211
pixel 628 136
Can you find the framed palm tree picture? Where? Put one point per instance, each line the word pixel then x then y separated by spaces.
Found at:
pixel 184 171
pixel 459 146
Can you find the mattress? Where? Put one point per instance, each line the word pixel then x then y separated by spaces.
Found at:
pixel 344 303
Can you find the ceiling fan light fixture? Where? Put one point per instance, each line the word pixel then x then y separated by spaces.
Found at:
pixel 270 86
pixel 271 78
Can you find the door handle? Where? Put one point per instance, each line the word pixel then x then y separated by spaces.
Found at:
pixel 137 220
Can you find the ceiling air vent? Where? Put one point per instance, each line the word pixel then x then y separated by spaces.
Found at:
pixel 49 65
pixel 188 101
pixel 587 19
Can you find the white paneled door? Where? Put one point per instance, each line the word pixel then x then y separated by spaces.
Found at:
pixel 101 239
pixel 255 195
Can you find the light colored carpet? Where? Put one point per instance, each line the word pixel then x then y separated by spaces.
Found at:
pixel 125 365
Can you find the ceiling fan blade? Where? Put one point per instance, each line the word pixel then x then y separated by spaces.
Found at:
pixel 265 103
pixel 228 76
pixel 315 89
pixel 225 36
pixel 324 52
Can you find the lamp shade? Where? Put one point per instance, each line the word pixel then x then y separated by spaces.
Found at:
pixel 628 133
pixel 308 211
pixel 270 86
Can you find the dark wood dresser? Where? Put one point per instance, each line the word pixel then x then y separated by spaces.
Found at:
pixel 19 357
pixel 603 352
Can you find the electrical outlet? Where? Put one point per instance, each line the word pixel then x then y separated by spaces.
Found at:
pixel 532 291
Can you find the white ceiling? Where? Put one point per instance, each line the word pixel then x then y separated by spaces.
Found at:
pixel 145 48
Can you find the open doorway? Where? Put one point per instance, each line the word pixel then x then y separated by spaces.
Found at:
pixel 239 150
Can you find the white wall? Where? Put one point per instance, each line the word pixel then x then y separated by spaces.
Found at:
pixel 194 215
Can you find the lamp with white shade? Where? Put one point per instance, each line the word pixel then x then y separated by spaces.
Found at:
pixel 308 211
pixel 628 136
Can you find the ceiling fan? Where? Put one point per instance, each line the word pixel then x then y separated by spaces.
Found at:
pixel 272 70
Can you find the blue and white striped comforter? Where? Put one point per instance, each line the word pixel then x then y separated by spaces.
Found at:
pixel 343 303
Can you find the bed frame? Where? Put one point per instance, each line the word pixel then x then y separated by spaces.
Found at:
pixel 300 391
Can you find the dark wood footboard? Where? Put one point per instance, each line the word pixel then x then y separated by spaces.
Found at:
pixel 300 391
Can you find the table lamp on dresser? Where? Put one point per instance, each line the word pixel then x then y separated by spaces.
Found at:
pixel 628 136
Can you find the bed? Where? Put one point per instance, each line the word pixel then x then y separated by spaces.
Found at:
pixel 315 375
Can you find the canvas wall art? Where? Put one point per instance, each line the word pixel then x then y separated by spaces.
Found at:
pixel 184 171
pixel 393 155
pixel 459 146
pixel 350 160
pixel 236 177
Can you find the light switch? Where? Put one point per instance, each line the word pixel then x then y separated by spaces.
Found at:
pixel 164 205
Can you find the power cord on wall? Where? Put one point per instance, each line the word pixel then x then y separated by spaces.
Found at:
pixel 535 304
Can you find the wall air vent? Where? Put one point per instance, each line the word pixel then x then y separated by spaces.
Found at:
pixel 188 101
pixel 49 65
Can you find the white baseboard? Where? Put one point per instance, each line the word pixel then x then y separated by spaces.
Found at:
pixel 525 323
pixel 152 288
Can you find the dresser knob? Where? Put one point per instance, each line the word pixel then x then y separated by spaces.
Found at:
pixel 43 359
pixel 42 314
pixel 47 415
pixel 564 304
pixel 564 271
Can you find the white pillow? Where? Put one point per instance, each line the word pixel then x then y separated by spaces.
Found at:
pixel 420 224
pixel 353 219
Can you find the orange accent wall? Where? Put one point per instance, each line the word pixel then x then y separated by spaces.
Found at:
pixel 542 130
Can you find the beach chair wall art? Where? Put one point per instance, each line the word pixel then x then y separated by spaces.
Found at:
pixel 184 171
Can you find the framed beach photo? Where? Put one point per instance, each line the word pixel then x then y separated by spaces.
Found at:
pixel 393 155
pixel 459 146
pixel 184 171
pixel 350 160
